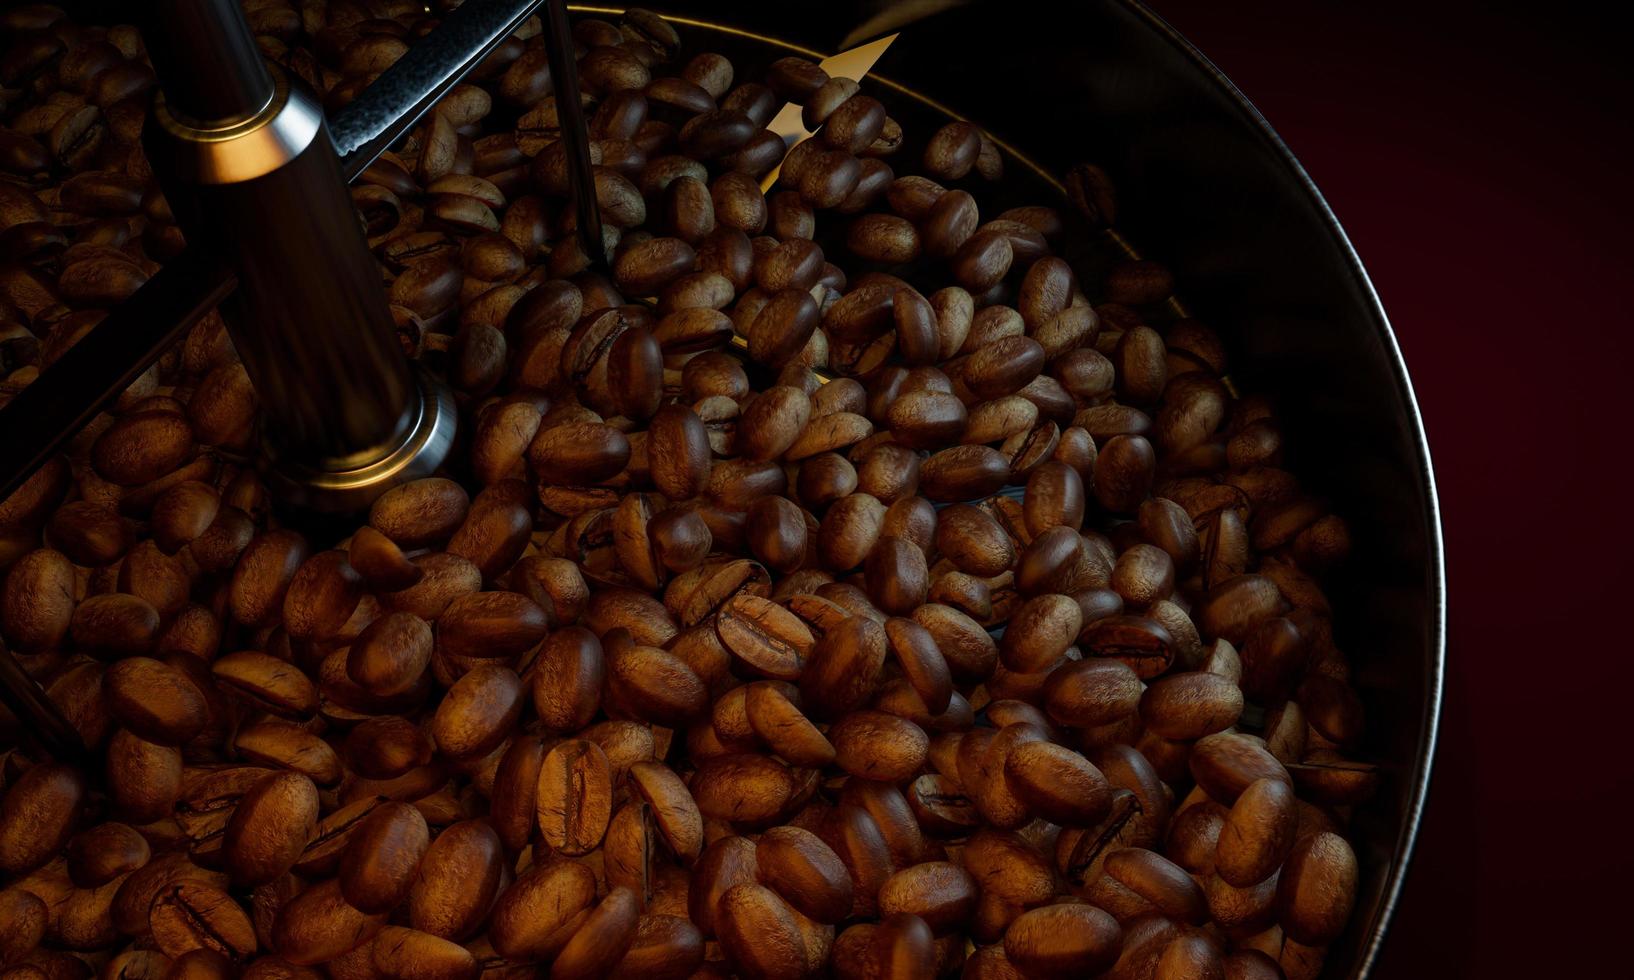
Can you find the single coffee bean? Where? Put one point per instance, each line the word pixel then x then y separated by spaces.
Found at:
pixel 188 916
pixel 270 828
pixel 382 857
pixel 459 878
pixel 805 872
pixel 1317 889
pixel 1067 940
pixel 574 798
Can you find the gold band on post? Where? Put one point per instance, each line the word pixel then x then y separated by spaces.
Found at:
pixel 245 150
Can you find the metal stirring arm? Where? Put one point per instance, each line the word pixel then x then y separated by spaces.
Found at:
pixel 41 418
pixel 36 423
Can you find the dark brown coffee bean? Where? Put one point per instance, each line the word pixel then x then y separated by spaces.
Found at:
pixel 1317 889
pixel 783 327
pixel 37 604
pixel 37 815
pixel 645 268
pixel 1040 632
pixel 459 878
pixel 963 473
pixel 318 925
pixel 1190 705
pixel 897 576
pixel 267 682
pixel 902 946
pixel 189 916
pixel 154 701
pixel 270 828
pixel 884 239
pixel 1226 764
pixel 477 713
pixel 382 857
pixel 665 947
pixel 716 133
pixel 103 853
pixel 805 872
pixel 983 261
pixel 408 954
pixel 1257 833
pixel 854 124
pixel 768 639
pixel 874 745
pixel 579 452
pixel 678 452
pixel 952 151
pixel 744 789
pixel 142 447
pixel 940 893
pixel 23 915
pixel 1063 941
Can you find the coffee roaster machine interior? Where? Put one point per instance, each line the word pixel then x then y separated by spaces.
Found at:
pixel 257 176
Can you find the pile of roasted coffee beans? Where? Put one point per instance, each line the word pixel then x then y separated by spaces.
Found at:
pixel 840 584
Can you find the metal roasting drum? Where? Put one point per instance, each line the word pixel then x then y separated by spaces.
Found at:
pixel 1204 185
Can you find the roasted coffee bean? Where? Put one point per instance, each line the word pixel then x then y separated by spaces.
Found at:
pixel 478 711
pixel 1190 705
pixel 574 797
pixel 154 701
pixel 188 916
pixel 459 878
pixel 270 828
pixel 805 872
pixel 704 526
pixel 382 857
pixel 318 925
pixel 1067 940
pixel 1317 889
pixel 391 654
pixel 37 815
pixel 952 151
pixel 1057 783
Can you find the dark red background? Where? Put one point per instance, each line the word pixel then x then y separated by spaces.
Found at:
pixel 1479 157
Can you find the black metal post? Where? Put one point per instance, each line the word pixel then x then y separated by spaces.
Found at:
pixel 261 184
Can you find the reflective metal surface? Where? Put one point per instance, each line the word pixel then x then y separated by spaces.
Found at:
pixel 396 100
pixel 347 489
pixel 309 319
pixel 275 136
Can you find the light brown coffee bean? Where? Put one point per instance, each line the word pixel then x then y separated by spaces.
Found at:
pixel 575 796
